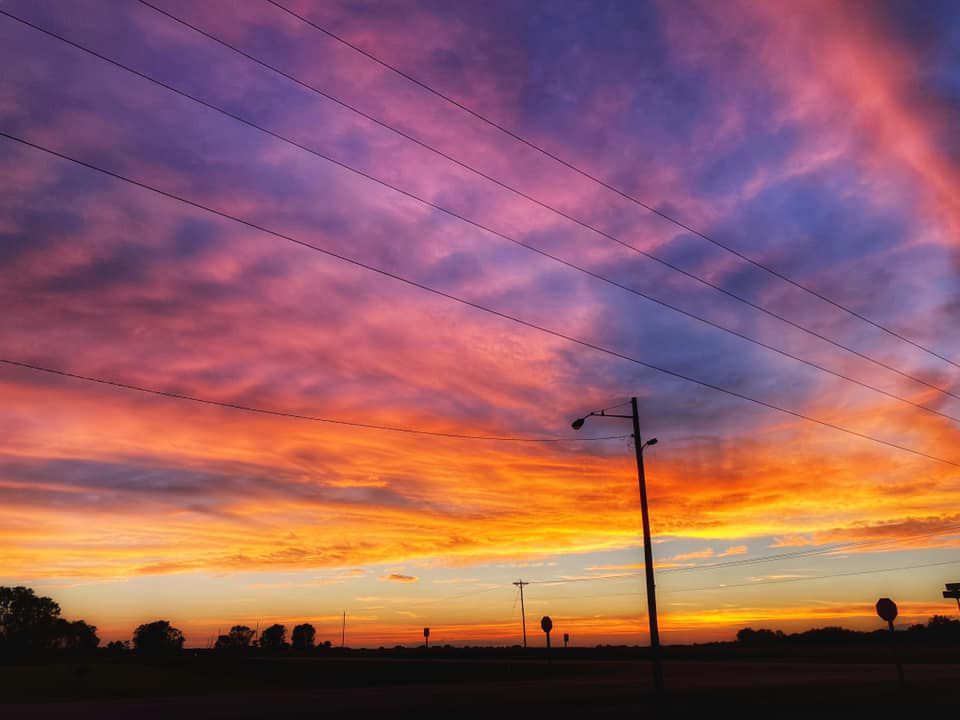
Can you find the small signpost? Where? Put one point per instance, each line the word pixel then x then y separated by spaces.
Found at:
pixel 566 639
pixel 953 591
pixel 546 624
pixel 887 610
pixel 426 637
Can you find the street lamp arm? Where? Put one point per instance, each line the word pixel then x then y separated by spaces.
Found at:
pixel 578 423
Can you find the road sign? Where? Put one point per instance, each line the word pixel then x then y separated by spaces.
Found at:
pixel 887 609
pixel 952 593
pixel 546 624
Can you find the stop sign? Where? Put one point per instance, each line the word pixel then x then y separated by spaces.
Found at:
pixel 546 623
pixel 887 609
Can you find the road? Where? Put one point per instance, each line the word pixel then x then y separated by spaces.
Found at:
pixel 619 689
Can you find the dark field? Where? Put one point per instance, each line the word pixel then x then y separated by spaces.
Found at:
pixel 208 686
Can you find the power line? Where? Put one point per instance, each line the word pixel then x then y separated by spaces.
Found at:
pixel 795 555
pixel 547 206
pixel 475 305
pixel 778 581
pixel 504 236
pixel 816 577
pixel 285 414
pixel 622 193
pixel 827 550
pixel 610 407
pixel 461 596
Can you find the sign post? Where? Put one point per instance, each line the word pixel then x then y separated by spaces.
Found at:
pixel 953 591
pixel 887 610
pixel 566 639
pixel 426 638
pixel 546 624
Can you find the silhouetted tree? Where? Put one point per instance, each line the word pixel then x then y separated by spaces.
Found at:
pixel 241 635
pixel 157 638
pixel 302 636
pixel 327 644
pixel 274 637
pixel 27 621
pixel 30 623
pixel 76 636
pixel 238 638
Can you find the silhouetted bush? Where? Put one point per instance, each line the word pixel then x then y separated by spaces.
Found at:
pixel 118 647
pixel 157 638
pixel 827 636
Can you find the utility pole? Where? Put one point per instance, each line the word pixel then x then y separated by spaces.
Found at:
pixel 639 446
pixel 523 615
pixel 647 555
pixel 343 630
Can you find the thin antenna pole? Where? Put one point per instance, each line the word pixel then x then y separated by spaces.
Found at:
pixel 523 615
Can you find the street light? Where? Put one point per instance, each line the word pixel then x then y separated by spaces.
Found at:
pixel 647 545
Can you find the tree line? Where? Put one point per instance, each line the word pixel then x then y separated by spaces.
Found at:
pixel 31 624
pixel 939 630
pixel 274 638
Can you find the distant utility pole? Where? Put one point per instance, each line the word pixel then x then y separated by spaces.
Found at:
pixel 343 630
pixel 523 615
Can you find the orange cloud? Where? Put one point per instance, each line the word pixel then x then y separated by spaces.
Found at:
pixel 398 577
pixel 695 555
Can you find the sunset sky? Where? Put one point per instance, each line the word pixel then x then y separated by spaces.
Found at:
pixel 819 138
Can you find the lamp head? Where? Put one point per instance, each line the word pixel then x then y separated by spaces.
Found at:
pixel 578 423
pixel 652 441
